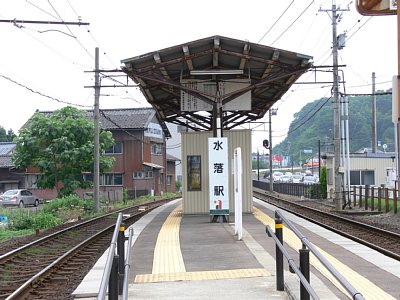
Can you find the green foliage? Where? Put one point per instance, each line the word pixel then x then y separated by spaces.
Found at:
pixel 314 122
pixel 20 219
pixel 71 202
pixel 323 182
pixel 261 164
pixel 178 185
pixel 125 195
pixel 8 136
pixel 45 220
pixel 61 146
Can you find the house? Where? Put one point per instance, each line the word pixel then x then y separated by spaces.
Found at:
pixel 141 163
pixel 10 178
pixel 374 169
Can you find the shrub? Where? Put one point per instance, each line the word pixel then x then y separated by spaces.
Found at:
pixel 323 182
pixel 20 219
pixel 45 220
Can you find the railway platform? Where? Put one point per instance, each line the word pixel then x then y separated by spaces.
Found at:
pixel 177 256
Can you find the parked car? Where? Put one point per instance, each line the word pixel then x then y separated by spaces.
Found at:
pixel 20 198
pixel 297 178
pixel 309 179
pixel 276 175
pixel 285 178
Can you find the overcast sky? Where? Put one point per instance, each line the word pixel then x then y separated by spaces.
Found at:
pixel 45 66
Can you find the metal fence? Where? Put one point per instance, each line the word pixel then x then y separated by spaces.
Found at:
pixel 309 191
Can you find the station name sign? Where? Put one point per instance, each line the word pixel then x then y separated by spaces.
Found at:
pixel 218 176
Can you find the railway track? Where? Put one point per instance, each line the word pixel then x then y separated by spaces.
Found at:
pixel 53 266
pixel 384 241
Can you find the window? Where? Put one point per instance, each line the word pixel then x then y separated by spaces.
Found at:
pixel 31 180
pixel 138 175
pixel 194 172
pixel 88 177
pixel 169 179
pixel 115 149
pixel 156 149
pixel 149 174
pixel 112 179
pixel 362 177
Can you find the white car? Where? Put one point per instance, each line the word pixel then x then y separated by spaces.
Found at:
pixel 285 178
pixel 297 178
pixel 309 179
pixel 277 175
pixel 19 198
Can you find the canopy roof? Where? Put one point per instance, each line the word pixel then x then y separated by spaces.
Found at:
pixel 240 80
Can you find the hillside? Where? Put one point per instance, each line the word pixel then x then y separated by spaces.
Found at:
pixel 315 122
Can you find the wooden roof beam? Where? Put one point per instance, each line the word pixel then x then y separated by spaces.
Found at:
pixel 245 57
pixel 188 59
pixel 217 47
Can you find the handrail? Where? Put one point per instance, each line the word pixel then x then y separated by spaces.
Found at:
pixel 349 288
pixel 127 266
pixel 107 269
pixel 293 265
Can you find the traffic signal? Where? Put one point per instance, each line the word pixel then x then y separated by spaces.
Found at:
pixel 376 7
pixel 266 144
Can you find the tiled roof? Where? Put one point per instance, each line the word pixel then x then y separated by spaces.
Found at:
pixel 6 148
pixel 122 118
pixel 6 162
pixel 125 118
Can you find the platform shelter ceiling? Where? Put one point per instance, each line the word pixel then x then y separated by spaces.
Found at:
pixel 264 74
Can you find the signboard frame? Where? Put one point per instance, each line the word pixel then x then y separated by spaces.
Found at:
pixel 218 171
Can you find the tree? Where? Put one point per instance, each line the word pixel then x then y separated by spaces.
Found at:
pixel 6 136
pixel 61 146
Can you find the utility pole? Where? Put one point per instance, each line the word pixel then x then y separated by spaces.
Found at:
pixel 374 138
pixel 338 169
pixel 271 177
pixel 96 113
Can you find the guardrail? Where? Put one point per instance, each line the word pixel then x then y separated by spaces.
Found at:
pixel 303 272
pixel 116 270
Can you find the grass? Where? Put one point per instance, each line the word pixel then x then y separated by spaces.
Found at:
pixel 25 221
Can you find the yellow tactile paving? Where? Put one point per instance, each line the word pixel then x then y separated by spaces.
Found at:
pixel 207 275
pixel 368 289
pixel 167 253
pixel 168 264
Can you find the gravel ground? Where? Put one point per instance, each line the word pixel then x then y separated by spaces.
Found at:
pixel 388 221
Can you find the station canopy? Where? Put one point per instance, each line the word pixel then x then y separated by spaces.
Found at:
pixel 192 83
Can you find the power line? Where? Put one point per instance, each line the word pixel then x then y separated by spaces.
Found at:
pixel 293 22
pixel 315 112
pixel 40 93
pixel 275 22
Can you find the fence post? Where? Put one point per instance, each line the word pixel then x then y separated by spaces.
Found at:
pixel 379 199
pixel 113 281
pixel 354 195
pixel 372 198
pixel 305 270
pixel 395 201
pixel 386 199
pixel 366 196
pixel 279 255
pixel 121 255
pixel 360 198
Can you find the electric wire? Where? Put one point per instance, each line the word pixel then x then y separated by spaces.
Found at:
pixel 275 22
pixel 40 93
pixel 292 23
